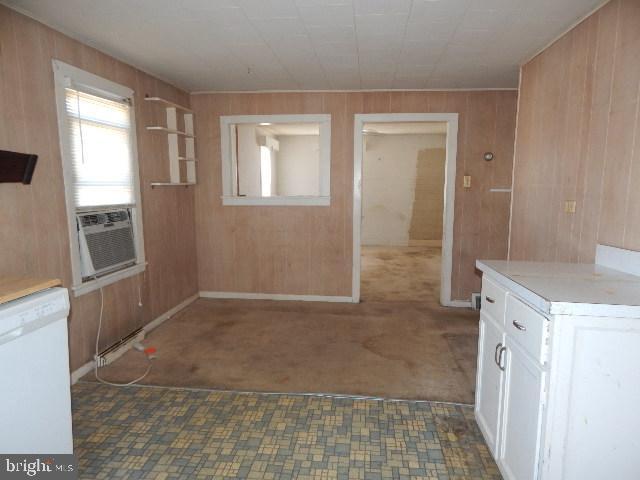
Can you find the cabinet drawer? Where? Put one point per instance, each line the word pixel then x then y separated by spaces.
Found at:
pixel 527 327
pixel 493 300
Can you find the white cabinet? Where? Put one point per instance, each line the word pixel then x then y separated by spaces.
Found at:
pixel 521 415
pixel 509 387
pixel 558 382
pixel 489 380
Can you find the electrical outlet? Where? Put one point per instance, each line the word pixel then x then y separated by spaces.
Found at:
pixel 467 181
pixel 570 206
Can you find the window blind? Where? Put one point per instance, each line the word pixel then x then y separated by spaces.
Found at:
pixel 100 140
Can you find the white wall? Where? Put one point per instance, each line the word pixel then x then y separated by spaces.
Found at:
pixel 298 161
pixel 389 183
pixel 274 173
pixel 248 161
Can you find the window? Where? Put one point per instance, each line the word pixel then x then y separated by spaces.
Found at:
pixel 101 157
pixel 98 144
pixel 276 159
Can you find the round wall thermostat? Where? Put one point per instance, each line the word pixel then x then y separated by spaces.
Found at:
pixel 488 156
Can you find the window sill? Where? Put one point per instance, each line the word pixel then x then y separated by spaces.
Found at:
pixel 100 282
pixel 276 201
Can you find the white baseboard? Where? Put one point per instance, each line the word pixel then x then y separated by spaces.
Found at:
pixel 458 304
pixel 276 296
pixel 87 367
pixel 169 313
pixel 81 372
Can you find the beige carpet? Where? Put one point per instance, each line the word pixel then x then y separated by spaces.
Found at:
pixel 394 349
pixel 400 274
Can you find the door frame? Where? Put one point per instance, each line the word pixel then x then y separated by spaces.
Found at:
pixel 451 120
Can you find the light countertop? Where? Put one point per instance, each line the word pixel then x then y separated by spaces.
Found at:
pixel 12 288
pixel 569 288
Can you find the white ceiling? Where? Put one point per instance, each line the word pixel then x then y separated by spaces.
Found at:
pixel 405 128
pixel 317 44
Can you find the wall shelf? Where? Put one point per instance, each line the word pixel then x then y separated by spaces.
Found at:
pixel 158 128
pixel 173 135
pixel 168 103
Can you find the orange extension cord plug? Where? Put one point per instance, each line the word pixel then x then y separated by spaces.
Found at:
pixel 150 352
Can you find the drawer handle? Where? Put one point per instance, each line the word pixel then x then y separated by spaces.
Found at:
pixel 519 326
pixel 489 299
pixel 495 354
pixel 500 365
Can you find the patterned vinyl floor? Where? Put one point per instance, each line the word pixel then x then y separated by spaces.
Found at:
pixel 164 433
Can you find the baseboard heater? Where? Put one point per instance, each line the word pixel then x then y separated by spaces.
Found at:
pixel 115 351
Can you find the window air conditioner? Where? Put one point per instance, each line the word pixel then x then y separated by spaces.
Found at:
pixel 106 242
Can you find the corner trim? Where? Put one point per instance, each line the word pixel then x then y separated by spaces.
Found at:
pixel 565 31
pixel 276 296
pixel 513 163
pixel 87 367
pixel 358 90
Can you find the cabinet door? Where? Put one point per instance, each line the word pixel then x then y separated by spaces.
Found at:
pixel 520 432
pixel 489 381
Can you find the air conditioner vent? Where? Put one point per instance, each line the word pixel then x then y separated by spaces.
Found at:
pixel 119 216
pixel 101 218
pixel 88 220
pixel 106 242
pixel 110 247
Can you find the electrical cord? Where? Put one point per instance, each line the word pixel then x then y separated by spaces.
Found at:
pixel 95 363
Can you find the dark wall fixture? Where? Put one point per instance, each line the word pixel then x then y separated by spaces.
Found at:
pixel 17 167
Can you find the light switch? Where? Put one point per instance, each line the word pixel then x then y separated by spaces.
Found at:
pixel 570 206
pixel 467 181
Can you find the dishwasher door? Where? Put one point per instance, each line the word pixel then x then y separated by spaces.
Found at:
pixel 35 393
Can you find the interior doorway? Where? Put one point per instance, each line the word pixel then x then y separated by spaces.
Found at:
pixel 404 185
pixel 402 204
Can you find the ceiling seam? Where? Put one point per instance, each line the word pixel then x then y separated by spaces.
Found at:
pixel 355 32
pixel 402 43
pixel 259 33
pixel 313 46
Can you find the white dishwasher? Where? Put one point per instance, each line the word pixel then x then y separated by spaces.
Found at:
pixel 35 394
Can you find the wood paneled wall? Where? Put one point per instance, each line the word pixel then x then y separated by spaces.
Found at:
pixel 579 139
pixel 308 250
pixel 33 226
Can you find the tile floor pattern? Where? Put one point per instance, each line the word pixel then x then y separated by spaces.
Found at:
pixel 166 433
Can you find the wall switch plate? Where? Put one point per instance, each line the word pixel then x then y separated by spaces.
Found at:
pixel 570 206
pixel 467 181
